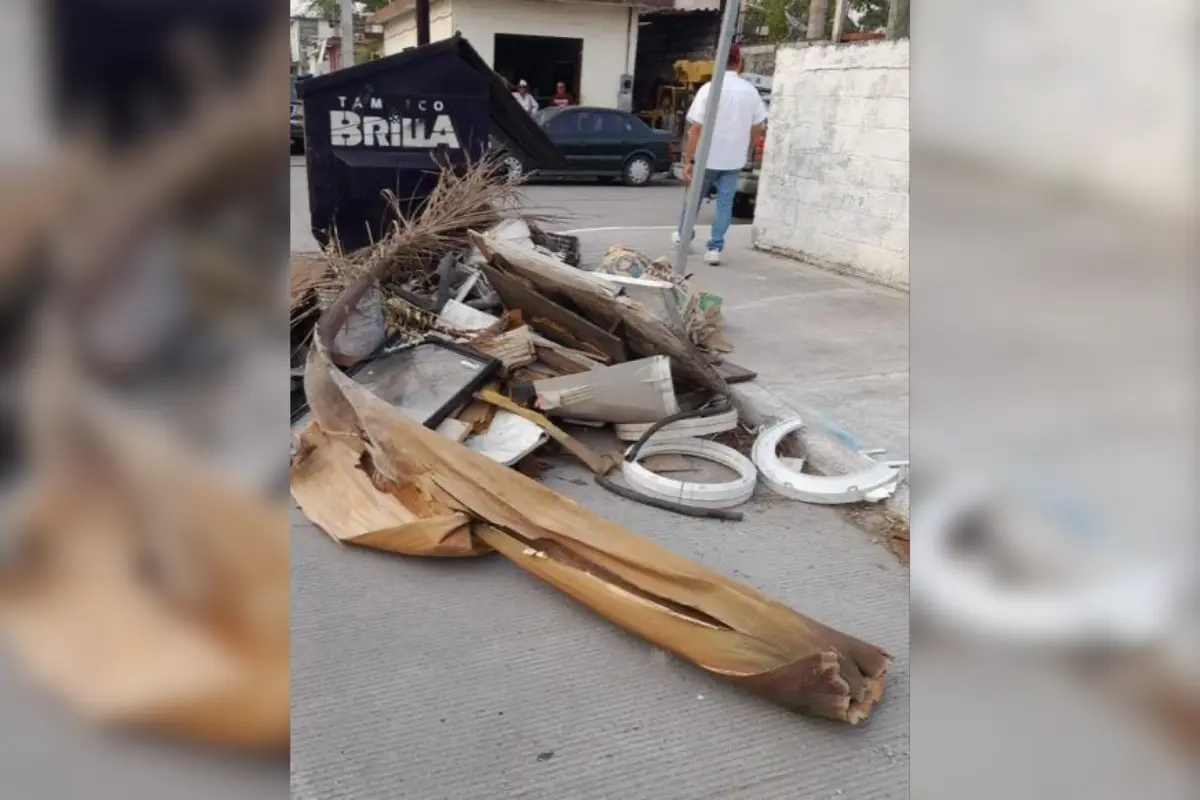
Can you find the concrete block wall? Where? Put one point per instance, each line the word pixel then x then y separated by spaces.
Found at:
pixel 834 183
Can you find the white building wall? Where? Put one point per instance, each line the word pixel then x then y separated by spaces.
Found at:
pixel 608 48
pixel 834 183
pixel 401 33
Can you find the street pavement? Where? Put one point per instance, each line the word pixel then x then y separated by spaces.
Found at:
pixel 470 680
pixel 575 205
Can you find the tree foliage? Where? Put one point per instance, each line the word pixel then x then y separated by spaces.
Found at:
pixel 787 20
pixel 331 10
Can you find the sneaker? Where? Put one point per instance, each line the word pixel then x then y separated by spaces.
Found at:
pixel 712 257
pixel 675 237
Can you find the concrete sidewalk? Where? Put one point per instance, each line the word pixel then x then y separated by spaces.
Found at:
pixel 470 680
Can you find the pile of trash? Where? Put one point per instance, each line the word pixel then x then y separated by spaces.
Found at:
pixel 423 391
pixel 506 343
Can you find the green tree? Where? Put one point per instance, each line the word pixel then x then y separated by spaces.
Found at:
pixel 779 17
pixel 872 15
pixel 331 10
pixel 787 20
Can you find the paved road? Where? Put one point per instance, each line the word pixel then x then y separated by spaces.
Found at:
pixel 469 680
pixel 579 205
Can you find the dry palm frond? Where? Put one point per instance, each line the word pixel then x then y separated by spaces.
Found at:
pixel 474 197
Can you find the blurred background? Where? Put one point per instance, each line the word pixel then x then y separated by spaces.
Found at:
pixel 143 252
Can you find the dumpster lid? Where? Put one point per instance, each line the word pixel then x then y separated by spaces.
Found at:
pixel 506 119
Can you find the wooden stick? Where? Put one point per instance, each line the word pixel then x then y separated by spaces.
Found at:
pixel 597 463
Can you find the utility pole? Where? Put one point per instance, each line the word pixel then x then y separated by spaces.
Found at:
pixel 692 207
pixel 347 33
pixel 816 19
pixel 897 23
pixel 422 22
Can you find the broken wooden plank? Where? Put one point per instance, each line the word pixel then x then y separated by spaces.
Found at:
pixel 717 624
pixel 563 360
pixel 517 295
pixel 636 391
pixel 454 429
pixel 645 334
pixel 513 348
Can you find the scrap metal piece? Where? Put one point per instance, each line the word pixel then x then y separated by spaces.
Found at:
pixel 636 391
pixel 821 489
pixel 695 494
pixel 508 439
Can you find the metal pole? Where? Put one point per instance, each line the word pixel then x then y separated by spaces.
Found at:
pixel 841 17
pixel 422 22
pixel 692 207
pixel 897 24
pixel 347 33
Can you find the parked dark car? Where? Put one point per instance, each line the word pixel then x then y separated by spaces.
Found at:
pixel 601 143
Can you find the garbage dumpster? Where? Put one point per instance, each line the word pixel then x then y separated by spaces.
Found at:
pixel 389 123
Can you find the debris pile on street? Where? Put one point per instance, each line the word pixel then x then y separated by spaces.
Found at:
pixel 490 339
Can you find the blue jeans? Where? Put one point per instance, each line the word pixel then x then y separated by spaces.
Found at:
pixel 726 181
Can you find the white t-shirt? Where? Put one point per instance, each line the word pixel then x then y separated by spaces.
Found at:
pixel 741 108
pixel 526 101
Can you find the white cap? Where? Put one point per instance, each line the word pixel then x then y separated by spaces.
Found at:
pixel 523 83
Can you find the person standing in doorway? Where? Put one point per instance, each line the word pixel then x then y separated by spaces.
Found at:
pixel 561 96
pixel 740 118
pixel 525 98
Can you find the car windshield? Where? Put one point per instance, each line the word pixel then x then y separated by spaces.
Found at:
pixel 544 115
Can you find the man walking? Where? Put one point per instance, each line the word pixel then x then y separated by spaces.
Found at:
pixel 740 119
pixel 527 100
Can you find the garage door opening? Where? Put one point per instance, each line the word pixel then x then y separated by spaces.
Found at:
pixel 542 61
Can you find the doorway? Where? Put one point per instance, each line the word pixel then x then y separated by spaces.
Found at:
pixel 541 61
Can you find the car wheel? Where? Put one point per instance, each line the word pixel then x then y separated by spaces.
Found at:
pixel 638 171
pixel 743 206
pixel 514 170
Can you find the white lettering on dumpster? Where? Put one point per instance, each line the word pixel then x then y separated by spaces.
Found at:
pixel 350 129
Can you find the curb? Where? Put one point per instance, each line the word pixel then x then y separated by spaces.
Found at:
pixel 827 454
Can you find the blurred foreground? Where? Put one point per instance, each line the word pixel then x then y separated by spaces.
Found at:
pixel 1053 429
pixel 144 551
